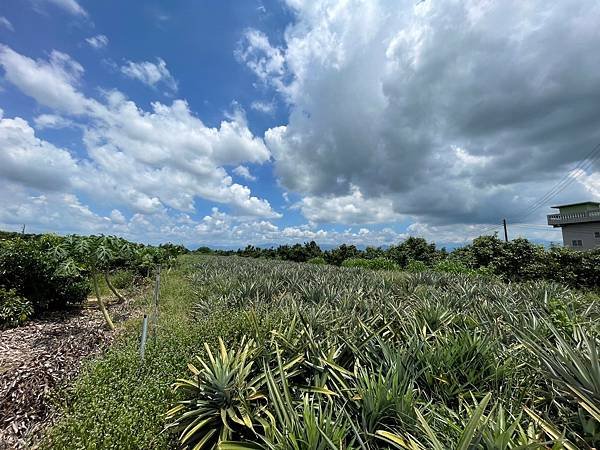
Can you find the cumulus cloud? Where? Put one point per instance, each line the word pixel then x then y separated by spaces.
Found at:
pixel 590 182
pixel 57 211
pixel 348 209
pixel 151 74
pixel 52 83
pixel 30 161
pixel 244 172
pixel 4 22
pixel 117 217
pixel 221 228
pixel 98 41
pixel 49 212
pixel 453 112
pixel 454 235
pixel 144 160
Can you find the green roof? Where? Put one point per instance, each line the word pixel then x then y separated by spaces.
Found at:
pixel 576 204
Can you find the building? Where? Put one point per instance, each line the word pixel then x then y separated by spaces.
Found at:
pixel 580 223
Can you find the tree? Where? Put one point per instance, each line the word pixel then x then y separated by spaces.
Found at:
pixel 338 255
pixel 93 255
pixel 414 249
pixel 374 252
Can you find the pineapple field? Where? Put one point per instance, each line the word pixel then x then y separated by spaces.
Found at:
pixel 258 354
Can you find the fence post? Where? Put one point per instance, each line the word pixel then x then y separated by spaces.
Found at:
pixel 156 296
pixel 144 335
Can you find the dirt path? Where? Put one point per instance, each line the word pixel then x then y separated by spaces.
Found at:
pixel 40 356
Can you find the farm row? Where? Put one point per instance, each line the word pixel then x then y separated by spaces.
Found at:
pixel 516 260
pixel 265 354
pixel 41 273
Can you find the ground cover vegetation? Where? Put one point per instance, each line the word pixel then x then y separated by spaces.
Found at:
pixel 516 260
pixel 252 353
pixel 40 273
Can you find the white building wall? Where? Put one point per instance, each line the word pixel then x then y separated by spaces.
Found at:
pixel 584 232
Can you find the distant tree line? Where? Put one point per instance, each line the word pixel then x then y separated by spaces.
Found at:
pixel 516 260
pixel 411 249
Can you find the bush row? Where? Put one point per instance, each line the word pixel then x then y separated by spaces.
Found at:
pixel 516 260
pixel 30 270
pixel 48 272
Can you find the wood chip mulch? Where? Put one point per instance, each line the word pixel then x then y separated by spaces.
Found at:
pixel 37 358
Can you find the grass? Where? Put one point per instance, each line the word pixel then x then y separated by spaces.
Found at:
pixel 118 402
pixel 344 358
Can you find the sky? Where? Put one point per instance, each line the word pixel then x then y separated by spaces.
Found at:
pixel 226 123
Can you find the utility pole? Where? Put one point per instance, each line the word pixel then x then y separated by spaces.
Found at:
pixel 505 231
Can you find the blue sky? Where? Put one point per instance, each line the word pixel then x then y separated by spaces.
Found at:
pixel 235 122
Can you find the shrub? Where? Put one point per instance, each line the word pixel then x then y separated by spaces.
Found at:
pixel 381 263
pixel 482 252
pixel 356 262
pixel 485 271
pixel 415 249
pixel 416 266
pixel 451 266
pixel 339 254
pixel 122 279
pixel 319 260
pixel 373 264
pixel 521 260
pixel 14 309
pixel 34 272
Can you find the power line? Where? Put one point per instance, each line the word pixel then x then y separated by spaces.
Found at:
pixel 583 165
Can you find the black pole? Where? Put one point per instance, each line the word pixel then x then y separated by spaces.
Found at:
pixel 505 231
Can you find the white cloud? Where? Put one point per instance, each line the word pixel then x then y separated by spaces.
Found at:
pixel 30 161
pixel 144 160
pixel 98 41
pixel 458 234
pixel 70 6
pixel 52 121
pixel 263 107
pixel 151 74
pixel 54 211
pixel 4 22
pixel 244 172
pixel 49 212
pixel 52 83
pixel 255 50
pixel 589 181
pixel 117 217
pixel 348 209
pixel 223 229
